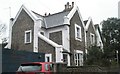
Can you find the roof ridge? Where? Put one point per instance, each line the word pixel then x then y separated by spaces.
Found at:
pixel 57 13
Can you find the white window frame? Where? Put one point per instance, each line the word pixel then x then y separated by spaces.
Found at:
pixel 50 57
pixel 78 58
pixel 76 33
pixel 92 38
pixel 30 31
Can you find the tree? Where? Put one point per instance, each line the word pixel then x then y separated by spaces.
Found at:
pixel 111 35
pixel 95 56
pixel 3 28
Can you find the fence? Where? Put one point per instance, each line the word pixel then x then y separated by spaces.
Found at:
pixel 11 59
pixel 64 69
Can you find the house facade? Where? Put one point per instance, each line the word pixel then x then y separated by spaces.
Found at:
pixel 61 36
pixel 93 34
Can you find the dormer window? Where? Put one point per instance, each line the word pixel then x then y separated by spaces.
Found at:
pixel 78 33
pixel 92 38
pixel 28 36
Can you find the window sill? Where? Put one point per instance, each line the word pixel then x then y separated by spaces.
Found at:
pixel 79 39
pixel 27 42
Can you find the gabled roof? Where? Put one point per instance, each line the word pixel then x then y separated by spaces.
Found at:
pixel 29 12
pixel 72 12
pixel 62 18
pixel 53 20
pixel 97 27
pixel 89 23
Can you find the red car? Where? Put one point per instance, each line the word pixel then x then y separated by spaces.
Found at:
pixel 36 68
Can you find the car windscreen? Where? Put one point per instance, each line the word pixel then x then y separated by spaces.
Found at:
pixel 30 67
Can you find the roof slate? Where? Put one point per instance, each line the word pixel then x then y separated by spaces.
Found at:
pixel 55 19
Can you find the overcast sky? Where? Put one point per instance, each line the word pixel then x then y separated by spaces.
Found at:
pixel 98 9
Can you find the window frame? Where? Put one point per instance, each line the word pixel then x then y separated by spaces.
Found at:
pixel 78 58
pixel 48 55
pixel 25 39
pixel 78 35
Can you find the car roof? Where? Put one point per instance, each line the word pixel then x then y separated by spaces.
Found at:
pixel 37 63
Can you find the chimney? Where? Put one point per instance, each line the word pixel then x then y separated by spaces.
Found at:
pixel 72 4
pixel 10 33
pixel 67 5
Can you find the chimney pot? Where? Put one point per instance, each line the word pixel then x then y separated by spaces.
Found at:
pixel 45 14
pixel 49 14
pixel 72 4
pixel 67 5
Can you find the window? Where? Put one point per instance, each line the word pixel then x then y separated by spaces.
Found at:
pixel 30 67
pixel 28 36
pixel 65 59
pixel 78 35
pixel 78 32
pixel 92 38
pixel 48 57
pixel 51 67
pixel 78 58
pixel 46 67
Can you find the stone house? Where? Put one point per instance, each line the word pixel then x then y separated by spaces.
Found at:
pixel 61 36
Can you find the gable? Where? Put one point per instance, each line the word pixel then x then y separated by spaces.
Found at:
pixel 23 23
pixel 72 13
pixel 23 17
pixel 29 12
pixel 91 28
pixel 76 19
pixel 89 25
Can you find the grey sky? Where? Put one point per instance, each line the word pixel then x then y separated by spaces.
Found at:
pixel 98 9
